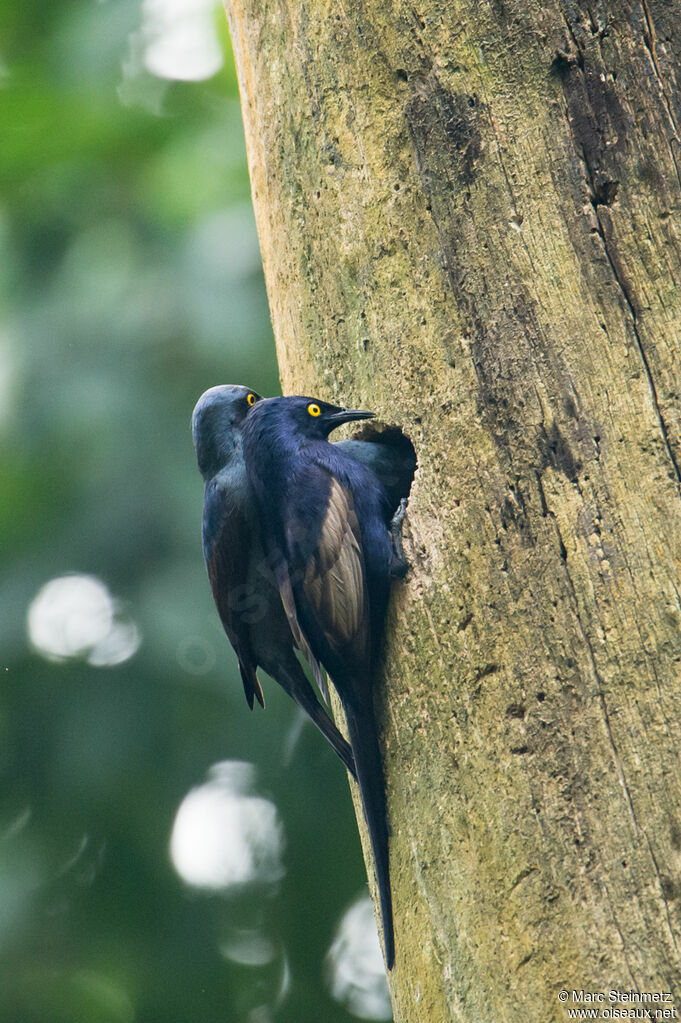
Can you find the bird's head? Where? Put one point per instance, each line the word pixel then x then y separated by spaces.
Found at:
pixel 309 418
pixel 216 425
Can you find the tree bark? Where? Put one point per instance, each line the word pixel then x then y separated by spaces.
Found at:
pixel 469 217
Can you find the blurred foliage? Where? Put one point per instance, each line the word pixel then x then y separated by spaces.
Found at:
pixel 130 281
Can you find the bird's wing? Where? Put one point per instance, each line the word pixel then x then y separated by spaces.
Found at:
pixel 288 600
pixel 227 555
pixel 331 593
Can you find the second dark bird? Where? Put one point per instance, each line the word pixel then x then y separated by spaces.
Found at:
pixel 324 519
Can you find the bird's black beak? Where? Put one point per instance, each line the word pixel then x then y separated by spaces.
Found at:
pixel 347 415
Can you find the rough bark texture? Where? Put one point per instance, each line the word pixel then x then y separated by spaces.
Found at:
pixel 470 221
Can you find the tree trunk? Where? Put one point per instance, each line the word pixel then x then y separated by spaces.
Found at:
pixel 469 220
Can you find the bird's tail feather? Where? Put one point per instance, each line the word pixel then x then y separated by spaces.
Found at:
pixel 364 742
pixel 252 687
pixel 330 732
pixel 294 681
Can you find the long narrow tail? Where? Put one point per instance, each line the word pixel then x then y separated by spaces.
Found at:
pixel 291 677
pixel 364 742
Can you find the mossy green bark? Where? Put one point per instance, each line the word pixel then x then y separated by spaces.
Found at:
pixel 470 222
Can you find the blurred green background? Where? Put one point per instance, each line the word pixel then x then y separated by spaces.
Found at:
pixel 130 281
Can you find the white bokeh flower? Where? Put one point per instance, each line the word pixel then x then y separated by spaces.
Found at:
pixel 224 835
pixel 356 969
pixel 75 616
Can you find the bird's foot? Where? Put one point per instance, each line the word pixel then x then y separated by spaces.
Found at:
pixel 399 565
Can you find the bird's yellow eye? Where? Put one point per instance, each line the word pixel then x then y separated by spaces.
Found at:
pixel 314 410
pixel 251 399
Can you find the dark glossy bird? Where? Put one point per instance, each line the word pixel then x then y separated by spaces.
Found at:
pixel 242 582
pixel 324 519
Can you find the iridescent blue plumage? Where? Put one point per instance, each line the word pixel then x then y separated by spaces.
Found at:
pixel 324 519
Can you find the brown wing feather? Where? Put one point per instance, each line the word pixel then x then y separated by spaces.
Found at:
pixel 334 580
pixel 288 600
